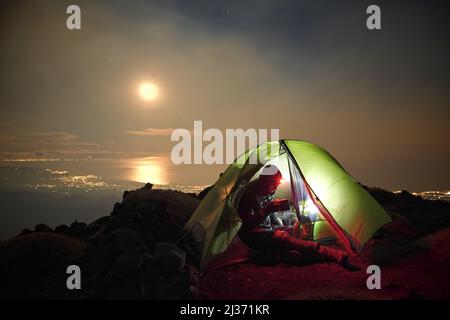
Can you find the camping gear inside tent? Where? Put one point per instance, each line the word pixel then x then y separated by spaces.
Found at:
pixel 326 203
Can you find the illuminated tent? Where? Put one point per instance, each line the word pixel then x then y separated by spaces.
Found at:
pixel 316 185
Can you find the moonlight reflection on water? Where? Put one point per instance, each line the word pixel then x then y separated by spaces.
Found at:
pixel 149 169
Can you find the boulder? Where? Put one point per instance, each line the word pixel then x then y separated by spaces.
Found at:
pixel 42 228
pixel 62 228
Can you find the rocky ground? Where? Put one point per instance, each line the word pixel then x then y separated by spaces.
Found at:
pixel 115 255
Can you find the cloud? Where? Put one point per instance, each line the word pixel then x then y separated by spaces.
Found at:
pixel 299 67
pixel 41 137
pixel 51 137
pixel 151 132
pixel 46 142
pixel 66 146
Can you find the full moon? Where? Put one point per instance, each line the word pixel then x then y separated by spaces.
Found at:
pixel 148 91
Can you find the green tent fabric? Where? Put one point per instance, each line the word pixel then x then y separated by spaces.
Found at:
pixel 346 211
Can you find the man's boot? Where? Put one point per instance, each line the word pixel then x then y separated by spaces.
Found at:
pixel 327 254
pixel 350 262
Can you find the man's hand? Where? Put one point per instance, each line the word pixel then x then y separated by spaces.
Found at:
pixel 278 205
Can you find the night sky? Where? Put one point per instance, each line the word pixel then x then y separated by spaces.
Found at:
pixel 378 101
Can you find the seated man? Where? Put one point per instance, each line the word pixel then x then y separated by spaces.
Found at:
pixel 257 205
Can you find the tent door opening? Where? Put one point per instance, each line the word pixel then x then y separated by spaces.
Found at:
pixel 303 219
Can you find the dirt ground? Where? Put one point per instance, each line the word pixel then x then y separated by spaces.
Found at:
pixel 409 270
